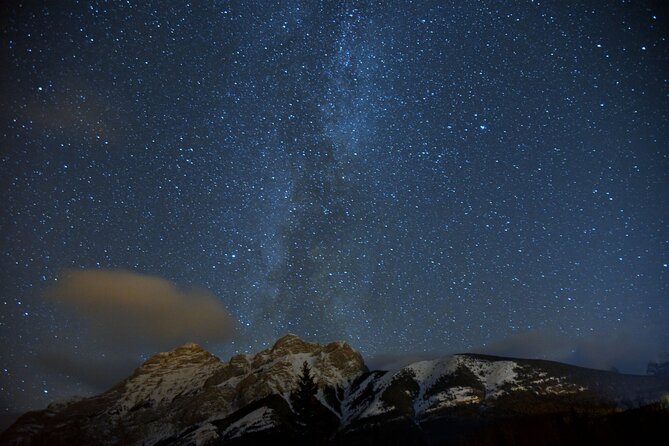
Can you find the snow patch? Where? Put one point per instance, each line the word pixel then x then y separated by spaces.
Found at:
pixel 496 376
pixel 493 374
pixel 455 396
pixel 204 435
pixel 256 421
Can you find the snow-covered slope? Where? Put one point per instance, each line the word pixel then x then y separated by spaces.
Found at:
pixel 432 389
pixel 258 420
pixel 424 387
pixel 166 376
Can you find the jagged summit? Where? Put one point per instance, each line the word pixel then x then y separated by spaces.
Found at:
pixel 287 337
pixel 189 352
pixel 291 343
pixel 184 349
pixel 190 346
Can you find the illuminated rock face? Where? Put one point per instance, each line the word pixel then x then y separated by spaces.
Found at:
pixel 189 396
pixel 187 386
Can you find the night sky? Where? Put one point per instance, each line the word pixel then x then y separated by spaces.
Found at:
pixel 411 177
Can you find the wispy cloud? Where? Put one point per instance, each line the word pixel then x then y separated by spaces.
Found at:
pixel 124 308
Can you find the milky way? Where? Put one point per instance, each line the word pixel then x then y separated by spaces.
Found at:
pixel 407 176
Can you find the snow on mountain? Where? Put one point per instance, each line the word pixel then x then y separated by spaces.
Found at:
pixel 274 370
pixel 187 386
pixel 258 420
pixel 166 376
pixel 188 396
pixel 429 389
pixel 419 381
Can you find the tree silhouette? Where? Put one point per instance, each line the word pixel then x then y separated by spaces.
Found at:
pixel 304 399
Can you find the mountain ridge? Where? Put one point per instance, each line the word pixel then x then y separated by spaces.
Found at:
pixel 189 396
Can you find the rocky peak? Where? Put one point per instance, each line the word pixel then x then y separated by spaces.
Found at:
pixel 279 366
pixel 292 344
pixel 177 389
pixel 189 348
pixel 187 353
pixel 165 375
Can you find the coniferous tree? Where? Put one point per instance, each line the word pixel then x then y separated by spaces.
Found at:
pixel 304 398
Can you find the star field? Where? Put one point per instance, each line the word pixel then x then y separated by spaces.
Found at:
pixel 407 176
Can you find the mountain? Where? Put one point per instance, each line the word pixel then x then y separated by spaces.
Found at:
pixel 186 387
pixel 188 396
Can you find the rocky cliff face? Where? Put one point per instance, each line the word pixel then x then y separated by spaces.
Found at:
pixel 185 387
pixel 188 396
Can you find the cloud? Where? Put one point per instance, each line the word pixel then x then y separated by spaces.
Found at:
pixel 530 344
pixel 629 353
pixel 92 374
pixel 394 361
pixel 123 308
pixel 625 352
pixel 110 321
